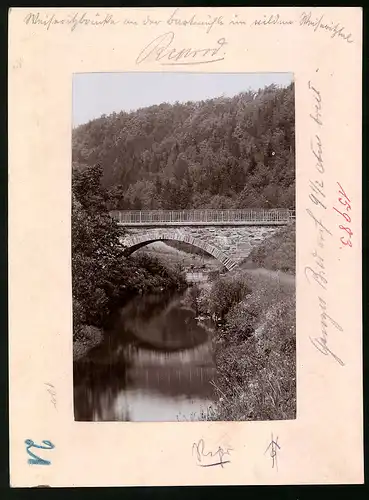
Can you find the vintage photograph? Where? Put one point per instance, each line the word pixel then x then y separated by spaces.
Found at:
pixel 183 246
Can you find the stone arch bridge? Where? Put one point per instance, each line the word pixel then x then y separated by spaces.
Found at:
pixel 227 235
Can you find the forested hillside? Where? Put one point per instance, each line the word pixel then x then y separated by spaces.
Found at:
pixel 221 153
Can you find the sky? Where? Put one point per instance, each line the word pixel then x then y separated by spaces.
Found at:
pixel 95 94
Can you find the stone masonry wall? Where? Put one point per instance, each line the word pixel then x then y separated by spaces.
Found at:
pixel 229 244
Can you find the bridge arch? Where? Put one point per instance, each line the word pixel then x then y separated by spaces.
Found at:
pixel 135 242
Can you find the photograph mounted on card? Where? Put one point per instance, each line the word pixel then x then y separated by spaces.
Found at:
pixel 188 271
pixel 184 298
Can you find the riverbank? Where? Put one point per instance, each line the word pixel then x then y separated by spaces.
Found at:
pixel 88 336
pixel 254 345
pixel 104 278
pixel 131 277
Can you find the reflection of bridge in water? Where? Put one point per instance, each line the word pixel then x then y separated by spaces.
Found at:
pixel 156 361
pixel 196 356
pixel 172 373
pixel 171 380
pixel 227 235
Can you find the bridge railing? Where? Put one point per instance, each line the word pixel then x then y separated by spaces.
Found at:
pixel 202 216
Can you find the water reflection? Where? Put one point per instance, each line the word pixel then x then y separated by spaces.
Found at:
pixel 155 364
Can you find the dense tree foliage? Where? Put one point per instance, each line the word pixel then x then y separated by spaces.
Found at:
pixel 221 153
pixel 101 275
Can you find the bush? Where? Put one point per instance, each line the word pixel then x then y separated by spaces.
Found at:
pixel 226 292
pixel 87 337
pixel 278 252
pixel 213 275
pixel 194 297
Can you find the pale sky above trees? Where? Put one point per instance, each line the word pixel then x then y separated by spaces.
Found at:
pixel 95 94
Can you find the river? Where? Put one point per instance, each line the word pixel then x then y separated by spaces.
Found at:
pixel 154 364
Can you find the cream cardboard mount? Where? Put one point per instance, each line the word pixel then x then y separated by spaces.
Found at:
pixel 322 47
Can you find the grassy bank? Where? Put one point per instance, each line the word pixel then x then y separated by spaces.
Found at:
pixel 276 253
pixel 254 347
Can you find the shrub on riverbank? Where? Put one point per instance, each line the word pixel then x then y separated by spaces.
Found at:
pixel 86 338
pixel 254 351
pixel 225 292
pixel 159 275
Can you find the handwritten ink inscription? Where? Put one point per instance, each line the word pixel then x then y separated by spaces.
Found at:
pixel 73 21
pixel 206 458
pixel 176 19
pixel 319 23
pixel 343 210
pixel 184 18
pixel 272 448
pixel 316 272
pixel 321 342
pixel 35 460
pixel 272 19
pixel 161 49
